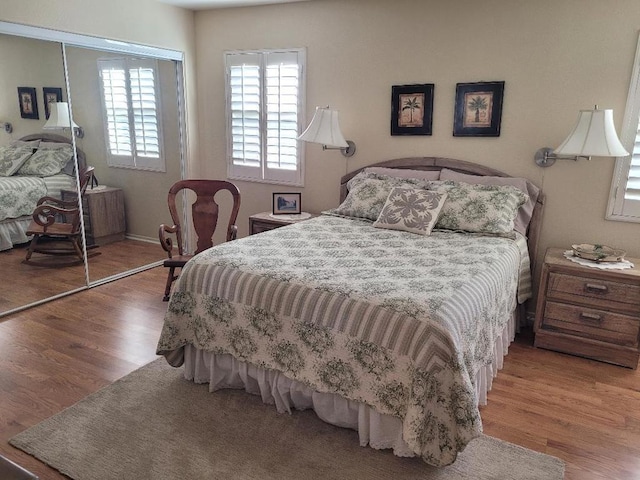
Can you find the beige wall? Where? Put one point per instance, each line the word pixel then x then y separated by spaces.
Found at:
pixel 34 63
pixel 556 57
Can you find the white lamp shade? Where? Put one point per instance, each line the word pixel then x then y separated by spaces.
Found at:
pixel 59 117
pixel 324 129
pixel 594 135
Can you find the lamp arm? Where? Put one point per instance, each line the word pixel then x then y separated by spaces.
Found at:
pixel 545 157
pixel 347 151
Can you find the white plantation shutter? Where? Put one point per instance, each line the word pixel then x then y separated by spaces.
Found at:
pixel 264 104
pixel 131 113
pixel 624 200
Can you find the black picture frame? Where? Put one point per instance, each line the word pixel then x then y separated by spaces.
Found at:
pixel 412 109
pixel 49 95
pixel 28 103
pixel 286 203
pixel 478 109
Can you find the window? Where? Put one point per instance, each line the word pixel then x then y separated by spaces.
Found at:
pixel 624 202
pixel 131 113
pixel 265 91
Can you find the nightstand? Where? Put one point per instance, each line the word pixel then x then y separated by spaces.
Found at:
pixel 589 312
pixel 261 222
pixel 103 208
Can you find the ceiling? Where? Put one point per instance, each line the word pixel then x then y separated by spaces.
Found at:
pixel 208 4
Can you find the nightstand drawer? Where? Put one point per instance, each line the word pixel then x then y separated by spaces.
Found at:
pixel 591 323
pixel 594 292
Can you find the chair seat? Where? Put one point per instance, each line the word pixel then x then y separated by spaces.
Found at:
pixel 64 229
pixel 177 261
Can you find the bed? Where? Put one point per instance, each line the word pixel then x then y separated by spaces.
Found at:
pixel 393 328
pixel 34 166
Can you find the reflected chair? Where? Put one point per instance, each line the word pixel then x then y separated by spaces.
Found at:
pixel 204 214
pixel 56 225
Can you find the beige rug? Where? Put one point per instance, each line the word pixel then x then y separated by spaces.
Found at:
pixel 153 424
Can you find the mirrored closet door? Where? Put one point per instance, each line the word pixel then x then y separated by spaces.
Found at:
pixel 135 162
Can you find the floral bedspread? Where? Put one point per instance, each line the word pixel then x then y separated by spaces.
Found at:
pixel 19 195
pixel 399 321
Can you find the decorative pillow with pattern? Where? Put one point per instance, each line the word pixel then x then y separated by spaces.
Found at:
pixel 488 209
pixel 12 157
pixel 368 193
pixel 411 210
pixel 49 159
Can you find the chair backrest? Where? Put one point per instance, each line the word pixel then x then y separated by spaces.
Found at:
pixel 86 174
pixel 204 210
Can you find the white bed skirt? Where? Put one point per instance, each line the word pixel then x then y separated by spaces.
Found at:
pixel 374 429
pixel 13 232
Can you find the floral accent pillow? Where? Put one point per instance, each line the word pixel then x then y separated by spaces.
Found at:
pixel 411 210
pixel 13 157
pixel 479 208
pixel 368 193
pixel 49 159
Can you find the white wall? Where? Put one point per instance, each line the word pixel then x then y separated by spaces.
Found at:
pixel 556 57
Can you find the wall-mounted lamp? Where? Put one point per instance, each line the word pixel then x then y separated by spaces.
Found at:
pixel 325 129
pixel 594 135
pixel 7 127
pixel 59 119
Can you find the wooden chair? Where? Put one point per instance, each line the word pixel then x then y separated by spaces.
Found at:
pixel 56 226
pixel 204 212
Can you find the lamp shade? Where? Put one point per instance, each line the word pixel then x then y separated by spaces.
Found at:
pixel 59 117
pixel 594 135
pixel 324 129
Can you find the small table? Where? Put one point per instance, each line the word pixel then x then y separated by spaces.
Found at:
pixel 104 215
pixel 261 222
pixel 589 312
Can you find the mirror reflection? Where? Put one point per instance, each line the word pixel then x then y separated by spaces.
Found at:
pixel 34 163
pixel 127 108
pixel 120 117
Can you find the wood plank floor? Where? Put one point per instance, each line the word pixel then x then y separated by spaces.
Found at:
pixel 585 412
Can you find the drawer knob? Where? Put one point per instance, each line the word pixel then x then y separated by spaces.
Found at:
pixel 594 288
pixel 592 317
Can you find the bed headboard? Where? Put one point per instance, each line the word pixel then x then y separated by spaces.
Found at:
pixel 52 137
pixel 437 164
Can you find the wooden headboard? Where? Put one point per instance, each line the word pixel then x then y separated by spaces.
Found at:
pixel 437 164
pixel 52 137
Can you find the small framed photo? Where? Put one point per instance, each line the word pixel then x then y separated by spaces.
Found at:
pixel 287 203
pixel 412 109
pixel 50 95
pixel 28 103
pixel 478 110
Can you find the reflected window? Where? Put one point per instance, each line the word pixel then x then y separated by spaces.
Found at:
pixel 131 108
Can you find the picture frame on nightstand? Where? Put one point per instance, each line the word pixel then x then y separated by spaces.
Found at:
pixel 287 203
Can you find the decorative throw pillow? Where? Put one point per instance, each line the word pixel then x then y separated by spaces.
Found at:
pixel 368 193
pixel 524 212
pixel 479 208
pixel 50 158
pixel 12 158
pixel 411 210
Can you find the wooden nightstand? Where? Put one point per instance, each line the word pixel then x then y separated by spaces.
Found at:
pixel 103 208
pixel 261 222
pixel 589 312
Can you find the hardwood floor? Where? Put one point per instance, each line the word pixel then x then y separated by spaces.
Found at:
pixel 585 412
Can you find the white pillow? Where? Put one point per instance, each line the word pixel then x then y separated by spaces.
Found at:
pixel 12 157
pixel 411 210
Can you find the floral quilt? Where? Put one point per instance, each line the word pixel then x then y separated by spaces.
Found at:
pixel 399 321
pixel 19 195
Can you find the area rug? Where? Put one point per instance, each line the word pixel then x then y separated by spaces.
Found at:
pixel 154 424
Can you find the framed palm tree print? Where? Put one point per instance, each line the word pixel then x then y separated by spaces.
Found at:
pixel 412 109
pixel 478 110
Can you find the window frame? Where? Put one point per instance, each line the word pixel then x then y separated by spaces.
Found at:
pixel 629 131
pixel 262 174
pixel 134 161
